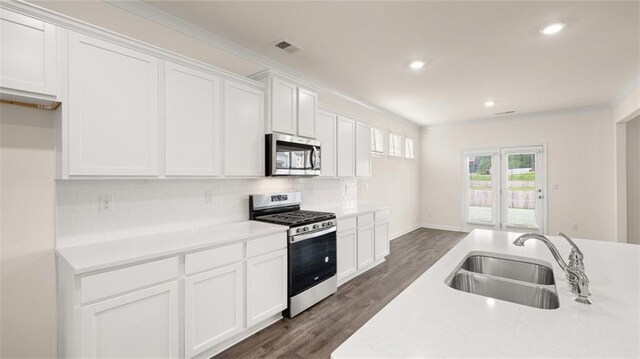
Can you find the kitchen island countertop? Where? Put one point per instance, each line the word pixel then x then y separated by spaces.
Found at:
pixel 430 319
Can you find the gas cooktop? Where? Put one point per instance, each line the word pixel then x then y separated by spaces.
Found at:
pixel 294 218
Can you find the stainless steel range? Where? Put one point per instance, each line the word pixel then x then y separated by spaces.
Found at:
pixel 311 249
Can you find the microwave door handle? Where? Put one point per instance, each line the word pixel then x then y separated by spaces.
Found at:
pixel 313 157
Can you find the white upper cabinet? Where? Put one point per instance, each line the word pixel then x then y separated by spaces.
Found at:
pixel 307 112
pixel 326 133
pixel 192 122
pixel 28 60
pixel 363 151
pixel 293 108
pixel 283 107
pixel 243 125
pixel 113 109
pixel 346 130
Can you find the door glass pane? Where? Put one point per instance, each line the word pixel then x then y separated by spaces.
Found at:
pixel 480 191
pixel 521 190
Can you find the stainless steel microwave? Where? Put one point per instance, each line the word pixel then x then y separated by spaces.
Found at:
pixel 291 156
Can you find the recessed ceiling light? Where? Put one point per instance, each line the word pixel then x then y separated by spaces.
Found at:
pixel 552 28
pixel 416 65
pixel 489 103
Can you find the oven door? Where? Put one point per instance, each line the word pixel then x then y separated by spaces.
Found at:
pixel 292 156
pixel 312 259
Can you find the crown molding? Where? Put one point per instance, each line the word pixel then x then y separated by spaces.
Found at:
pixel 160 17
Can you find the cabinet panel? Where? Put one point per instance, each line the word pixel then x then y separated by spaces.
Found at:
pixel 307 112
pixel 326 133
pixel 365 246
pixel 192 122
pixel 28 60
pixel 213 307
pixel 363 150
pixel 243 124
pixel 113 109
pixel 266 286
pixel 347 252
pixel 140 324
pixel 283 107
pixel 346 147
pixel 381 239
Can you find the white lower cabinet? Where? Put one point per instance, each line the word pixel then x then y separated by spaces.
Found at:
pixel 381 235
pixel 266 286
pixel 365 246
pixel 144 323
pixel 347 253
pixel 213 307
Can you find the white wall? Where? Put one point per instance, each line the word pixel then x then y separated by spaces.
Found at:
pixel 633 181
pixel 27 261
pixel 580 157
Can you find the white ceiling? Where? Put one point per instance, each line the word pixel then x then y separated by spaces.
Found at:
pixel 475 51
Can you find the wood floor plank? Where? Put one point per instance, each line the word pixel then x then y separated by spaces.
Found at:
pixel 317 332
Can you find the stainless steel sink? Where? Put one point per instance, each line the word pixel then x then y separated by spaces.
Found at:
pixel 506 278
pixel 508 268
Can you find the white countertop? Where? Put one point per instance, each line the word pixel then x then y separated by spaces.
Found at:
pixel 430 319
pixel 97 256
pixel 345 212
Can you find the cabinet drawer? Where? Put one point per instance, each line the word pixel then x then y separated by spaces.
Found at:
pixel 382 215
pixel 212 258
pixel 365 220
pixel 106 284
pixel 256 247
pixel 346 224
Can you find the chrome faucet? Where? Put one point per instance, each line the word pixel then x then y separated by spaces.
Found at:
pixel 578 280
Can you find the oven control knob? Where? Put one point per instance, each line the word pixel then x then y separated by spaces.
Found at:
pixel 324 224
pixel 315 226
pixel 329 223
pixel 305 229
pixel 299 230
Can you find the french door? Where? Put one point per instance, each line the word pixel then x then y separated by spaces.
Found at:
pixel 504 189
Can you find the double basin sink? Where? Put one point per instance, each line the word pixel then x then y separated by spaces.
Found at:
pixel 511 279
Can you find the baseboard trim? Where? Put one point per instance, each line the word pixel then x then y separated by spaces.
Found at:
pixel 402 233
pixel 440 227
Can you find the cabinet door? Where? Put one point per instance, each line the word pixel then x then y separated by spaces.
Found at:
pixel 113 109
pixel 346 147
pixel 363 150
pixel 381 239
pixel 365 246
pixel 326 133
pixel 347 253
pixel 307 113
pixel 135 325
pixel 243 124
pixel 283 106
pixel 28 60
pixel 266 286
pixel 213 307
pixel 192 122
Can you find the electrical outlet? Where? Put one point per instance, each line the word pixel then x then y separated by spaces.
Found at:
pixel 106 203
pixel 208 197
pixel 366 187
pixel 574 226
pixel 554 186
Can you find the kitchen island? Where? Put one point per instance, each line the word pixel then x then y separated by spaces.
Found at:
pixel 431 319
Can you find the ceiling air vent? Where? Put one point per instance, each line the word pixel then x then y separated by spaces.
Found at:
pixel 287 46
pixel 505 113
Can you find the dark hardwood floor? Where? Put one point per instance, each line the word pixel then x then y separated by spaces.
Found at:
pixel 321 329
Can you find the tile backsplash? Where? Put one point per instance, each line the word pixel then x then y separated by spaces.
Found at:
pixel 141 207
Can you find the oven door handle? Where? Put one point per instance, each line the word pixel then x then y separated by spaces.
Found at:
pixel 302 237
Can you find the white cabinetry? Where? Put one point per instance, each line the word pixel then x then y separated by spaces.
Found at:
pixel 266 286
pixel 326 133
pixel 293 107
pixel 365 241
pixel 346 130
pixel 140 324
pixel 213 307
pixel 192 122
pixel 113 109
pixel 28 60
pixel 381 234
pixel 363 150
pixel 243 124
pixel 346 248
